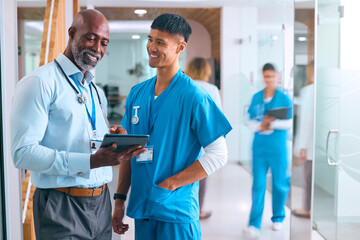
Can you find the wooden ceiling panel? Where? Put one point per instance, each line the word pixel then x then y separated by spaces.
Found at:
pixel 208 17
pixel 29 13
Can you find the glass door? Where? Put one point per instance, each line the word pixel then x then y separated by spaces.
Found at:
pixel 2 204
pixel 336 214
pixel 327 114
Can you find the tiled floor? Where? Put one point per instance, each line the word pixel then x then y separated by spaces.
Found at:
pixel 229 198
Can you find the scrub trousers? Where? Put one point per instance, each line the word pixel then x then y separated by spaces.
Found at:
pixel 280 187
pixel 151 229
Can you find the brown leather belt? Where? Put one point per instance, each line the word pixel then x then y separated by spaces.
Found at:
pixel 82 192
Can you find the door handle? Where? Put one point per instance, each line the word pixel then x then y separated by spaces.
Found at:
pixel 327 148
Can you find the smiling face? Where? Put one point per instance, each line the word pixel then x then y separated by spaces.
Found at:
pixel 88 39
pixel 164 48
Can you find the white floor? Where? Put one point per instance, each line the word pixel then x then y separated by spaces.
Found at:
pixel 229 199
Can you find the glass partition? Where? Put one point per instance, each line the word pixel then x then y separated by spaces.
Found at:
pixel 2 203
pixel 336 167
pixel 303 120
pixel 267 38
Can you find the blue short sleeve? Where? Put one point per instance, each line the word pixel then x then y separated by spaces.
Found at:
pixel 207 120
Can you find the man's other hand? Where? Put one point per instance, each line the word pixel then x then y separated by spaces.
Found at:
pixel 117 219
pixel 117 130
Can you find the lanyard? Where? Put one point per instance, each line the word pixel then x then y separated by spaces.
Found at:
pixel 91 117
pixel 77 92
pixel 154 107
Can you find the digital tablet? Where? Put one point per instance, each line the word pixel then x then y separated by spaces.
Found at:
pixel 279 113
pixel 124 141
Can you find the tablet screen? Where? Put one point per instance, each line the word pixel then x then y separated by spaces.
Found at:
pixel 124 141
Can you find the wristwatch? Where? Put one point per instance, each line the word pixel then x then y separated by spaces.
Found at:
pixel 119 196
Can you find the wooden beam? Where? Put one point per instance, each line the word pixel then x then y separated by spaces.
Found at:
pixel 307 17
pixel 53 38
pixel 76 7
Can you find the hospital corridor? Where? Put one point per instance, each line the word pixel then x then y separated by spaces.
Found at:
pixel 179 120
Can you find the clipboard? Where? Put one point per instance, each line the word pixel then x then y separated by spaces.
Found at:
pixel 124 141
pixel 279 113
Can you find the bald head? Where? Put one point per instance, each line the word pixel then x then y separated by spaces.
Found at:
pixel 89 17
pixel 88 39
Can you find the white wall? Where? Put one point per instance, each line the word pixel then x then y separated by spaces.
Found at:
pixel 249 81
pixel 199 44
pixel 9 61
pixel 230 75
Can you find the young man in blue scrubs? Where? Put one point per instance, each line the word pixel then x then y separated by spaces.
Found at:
pixel 180 118
pixel 269 151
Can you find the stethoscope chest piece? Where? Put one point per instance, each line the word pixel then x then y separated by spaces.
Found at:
pixel 81 98
pixel 135 119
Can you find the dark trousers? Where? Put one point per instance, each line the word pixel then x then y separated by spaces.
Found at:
pixel 307 181
pixel 202 190
pixel 61 216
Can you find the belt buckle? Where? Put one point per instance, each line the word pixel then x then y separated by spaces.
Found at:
pixel 98 188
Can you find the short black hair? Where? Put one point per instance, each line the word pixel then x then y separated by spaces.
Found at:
pixel 173 24
pixel 268 66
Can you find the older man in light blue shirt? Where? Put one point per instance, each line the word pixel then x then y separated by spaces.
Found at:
pixel 57 114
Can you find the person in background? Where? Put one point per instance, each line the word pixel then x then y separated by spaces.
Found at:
pixel 200 71
pixel 304 144
pixel 269 151
pixel 58 115
pixel 180 118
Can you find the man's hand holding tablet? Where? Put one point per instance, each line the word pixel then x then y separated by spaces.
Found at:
pixel 117 148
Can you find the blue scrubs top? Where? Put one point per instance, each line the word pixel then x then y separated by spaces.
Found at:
pixel 273 144
pixel 187 120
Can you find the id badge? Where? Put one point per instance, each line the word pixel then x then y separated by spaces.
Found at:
pixel 95 144
pixel 146 157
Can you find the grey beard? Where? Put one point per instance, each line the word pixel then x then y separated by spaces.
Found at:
pixel 80 59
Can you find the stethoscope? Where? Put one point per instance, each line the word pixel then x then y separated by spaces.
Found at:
pixel 135 118
pixel 81 97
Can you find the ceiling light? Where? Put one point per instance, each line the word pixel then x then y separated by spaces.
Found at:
pixel 135 36
pixel 134 27
pixel 302 39
pixel 35 25
pixel 274 37
pixel 140 12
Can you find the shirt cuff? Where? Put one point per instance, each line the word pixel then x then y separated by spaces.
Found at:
pixel 79 164
pixel 281 124
pixel 215 156
pixel 254 125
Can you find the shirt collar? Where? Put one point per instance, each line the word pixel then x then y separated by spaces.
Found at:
pixel 71 70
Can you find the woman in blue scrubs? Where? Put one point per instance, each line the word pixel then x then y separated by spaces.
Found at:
pixel 269 151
